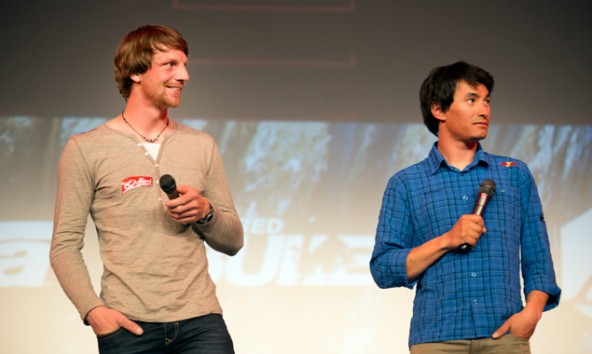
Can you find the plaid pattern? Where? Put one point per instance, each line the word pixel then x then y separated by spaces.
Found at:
pixel 464 296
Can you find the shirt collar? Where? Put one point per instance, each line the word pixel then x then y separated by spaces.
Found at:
pixel 436 160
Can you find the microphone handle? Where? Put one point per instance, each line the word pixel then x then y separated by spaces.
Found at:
pixel 478 210
pixel 464 248
pixel 174 194
pixel 480 204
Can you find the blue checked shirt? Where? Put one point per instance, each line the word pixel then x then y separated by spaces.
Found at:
pixel 464 296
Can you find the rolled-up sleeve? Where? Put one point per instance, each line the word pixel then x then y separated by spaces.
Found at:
pixel 394 236
pixel 537 263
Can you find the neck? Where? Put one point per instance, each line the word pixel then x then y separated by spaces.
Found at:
pixel 142 115
pixel 458 154
pixel 148 124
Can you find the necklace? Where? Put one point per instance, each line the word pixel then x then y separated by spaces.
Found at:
pixel 150 140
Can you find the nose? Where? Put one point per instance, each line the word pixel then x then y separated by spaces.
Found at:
pixel 485 110
pixel 182 74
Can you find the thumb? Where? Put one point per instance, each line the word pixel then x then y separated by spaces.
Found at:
pixel 503 329
pixel 131 326
pixel 182 189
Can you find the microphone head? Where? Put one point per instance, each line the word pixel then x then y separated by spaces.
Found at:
pixel 487 187
pixel 168 184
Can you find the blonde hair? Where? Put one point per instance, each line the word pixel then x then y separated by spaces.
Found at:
pixel 134 54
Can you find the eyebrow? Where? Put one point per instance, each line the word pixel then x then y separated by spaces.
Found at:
pixel 164 60
pixel 476 95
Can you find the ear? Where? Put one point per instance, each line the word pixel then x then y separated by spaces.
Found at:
pixel 437 111
pixel 136 78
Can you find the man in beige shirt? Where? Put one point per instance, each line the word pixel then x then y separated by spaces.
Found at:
pixel 156 293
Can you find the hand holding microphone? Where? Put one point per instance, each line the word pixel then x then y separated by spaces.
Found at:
pixel 186 205
pixel 486 191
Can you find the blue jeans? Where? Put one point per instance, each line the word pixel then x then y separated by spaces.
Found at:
pixel 199 335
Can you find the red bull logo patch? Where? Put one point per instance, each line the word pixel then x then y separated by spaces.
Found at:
pixel 508 164
pixel 134 182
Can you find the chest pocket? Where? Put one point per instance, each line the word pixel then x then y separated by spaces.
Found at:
pixel 437 209
pixel 503 216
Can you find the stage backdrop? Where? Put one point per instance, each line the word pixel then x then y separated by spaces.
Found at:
pixel 314 106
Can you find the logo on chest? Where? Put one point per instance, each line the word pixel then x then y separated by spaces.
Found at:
pixel 134 182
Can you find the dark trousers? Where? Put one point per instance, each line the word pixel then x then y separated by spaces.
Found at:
pixel 201 335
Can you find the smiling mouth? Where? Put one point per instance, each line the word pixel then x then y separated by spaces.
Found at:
pixel 175 89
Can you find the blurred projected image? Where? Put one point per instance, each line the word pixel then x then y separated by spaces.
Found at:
pixel 308 194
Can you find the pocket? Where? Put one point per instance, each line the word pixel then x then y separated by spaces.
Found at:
pixel 110 334
pixel 518 338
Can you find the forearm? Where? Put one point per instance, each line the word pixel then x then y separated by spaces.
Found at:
pixel 70 270
pixel 422 257
pixel 224 233
pixel 467 230
pixel 536 301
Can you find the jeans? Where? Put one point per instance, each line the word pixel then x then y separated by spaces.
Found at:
pixel 200 335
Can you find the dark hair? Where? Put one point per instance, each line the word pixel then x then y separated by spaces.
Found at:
pixel 134 54
pixel 440 85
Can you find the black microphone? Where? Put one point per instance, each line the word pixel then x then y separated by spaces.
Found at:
pixel 486 191
pixel 168 185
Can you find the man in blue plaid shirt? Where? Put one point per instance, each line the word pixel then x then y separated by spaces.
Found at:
pixel 465 302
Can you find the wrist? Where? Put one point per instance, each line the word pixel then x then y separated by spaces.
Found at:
pixel 534 309
pixel 445 243
pixel 537 299
pixel 207 218
pixel 89 318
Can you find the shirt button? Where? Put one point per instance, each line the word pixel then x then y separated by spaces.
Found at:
pixel 139 144
pixel 475 302
pixel 160 199
pixel 156 165
pixel 474 275
pixel 146 153
pixel 465 197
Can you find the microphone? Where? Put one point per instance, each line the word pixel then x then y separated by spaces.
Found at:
pixel 168 185
pixel 486 191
